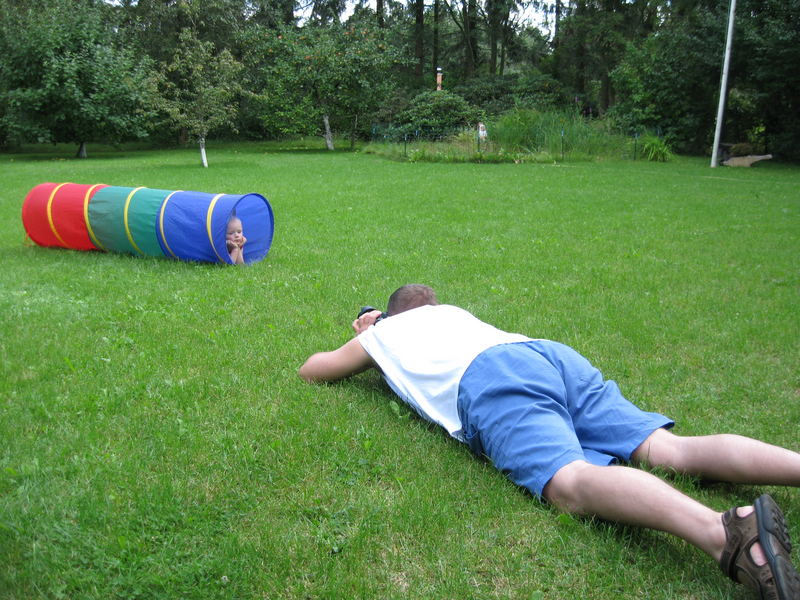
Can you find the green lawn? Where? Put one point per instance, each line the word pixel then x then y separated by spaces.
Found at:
pixel 156 442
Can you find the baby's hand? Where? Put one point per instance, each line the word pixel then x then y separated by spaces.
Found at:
pixel 244 241
pixel 231 245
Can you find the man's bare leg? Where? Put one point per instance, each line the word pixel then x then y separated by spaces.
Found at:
pixel 722 457
pixel 635 497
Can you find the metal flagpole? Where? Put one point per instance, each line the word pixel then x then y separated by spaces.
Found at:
pixel 723 86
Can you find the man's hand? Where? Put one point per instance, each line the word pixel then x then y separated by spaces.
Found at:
pixel 366 320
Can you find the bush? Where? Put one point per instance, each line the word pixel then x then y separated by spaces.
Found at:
pixel 539 91
pixel 557 133
pixel 742 149
pixel 493 94
pixel 439 112
pixel 656 149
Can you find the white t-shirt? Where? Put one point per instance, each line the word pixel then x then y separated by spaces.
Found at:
pixel 424 352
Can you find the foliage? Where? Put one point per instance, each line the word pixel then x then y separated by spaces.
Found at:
pixel 439 112
pixel 340 73
pixel 769 42
pixel 200 87
pixel 561 134
pixel 539 91
pixel 665 85
pixel 656 149
pixel 742 149
pixel 591 42
pixel 460 147
pixel 71 70
pixel 517 136
pixel 269 115
pixel 155 26
pixel 497 94
pixel 62 81
pixel 670 81
pixel 493 94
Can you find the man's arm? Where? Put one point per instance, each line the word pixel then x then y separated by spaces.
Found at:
pixel 348 360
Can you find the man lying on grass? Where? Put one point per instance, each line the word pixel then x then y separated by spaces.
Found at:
pixel 546 417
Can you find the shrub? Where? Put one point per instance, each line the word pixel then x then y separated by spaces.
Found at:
pixel 742 149
pixel 656 149
pixel 557 133
pixel 439 112
pixel 493 94
pixel 539 91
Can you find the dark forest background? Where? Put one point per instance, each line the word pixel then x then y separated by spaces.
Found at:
pixel 81 71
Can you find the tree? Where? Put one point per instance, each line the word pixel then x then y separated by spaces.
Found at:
pixel 199 88
pixel 419 39
pixel 63 79
pixel 154 26
pixel 272 13
pixel 326 12
pixel 767 55
pixel 670 81
pixel 592 39
pixel 335 72
pixel 498 25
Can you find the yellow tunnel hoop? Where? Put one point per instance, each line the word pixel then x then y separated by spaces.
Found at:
pixel 125 219
pixel 50 213
pixel 161 223
pixel 86 198
pixel 208 225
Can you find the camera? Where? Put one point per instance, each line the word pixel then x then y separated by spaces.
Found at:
pixel 366 309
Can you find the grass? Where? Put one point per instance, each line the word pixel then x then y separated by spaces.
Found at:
pixel 525 136
pixel 155 441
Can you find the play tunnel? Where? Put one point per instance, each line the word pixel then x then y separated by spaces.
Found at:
pixel 141 221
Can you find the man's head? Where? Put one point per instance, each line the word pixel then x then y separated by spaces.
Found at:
pixel 410 296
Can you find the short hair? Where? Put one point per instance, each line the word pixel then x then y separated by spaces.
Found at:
pixel 412 295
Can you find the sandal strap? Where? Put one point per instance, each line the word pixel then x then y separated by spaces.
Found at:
pixel 776 579
pixel 740 533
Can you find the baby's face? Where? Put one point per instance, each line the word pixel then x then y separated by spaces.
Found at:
pixel 234 232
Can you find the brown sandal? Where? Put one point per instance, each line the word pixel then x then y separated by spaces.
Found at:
pixel 777 579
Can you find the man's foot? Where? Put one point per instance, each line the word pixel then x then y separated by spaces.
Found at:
pixel 757 551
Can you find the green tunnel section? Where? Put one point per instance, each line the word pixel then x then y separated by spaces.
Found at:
pixel 122 219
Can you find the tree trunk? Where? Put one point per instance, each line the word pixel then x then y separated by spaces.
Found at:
pixel 353 133
pixel 379 10
pixel 288 12
pixel 505 38
pixel 606 93
pixel 557 21
pixel 494 24
pixel 419 31
pixel 203 159
pixel 328 134
pixel 435 55
pixel 470 37
pixel 81 151
pixel 492 50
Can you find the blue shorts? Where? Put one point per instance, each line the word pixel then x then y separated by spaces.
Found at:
pixel 534 407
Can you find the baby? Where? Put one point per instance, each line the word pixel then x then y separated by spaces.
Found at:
pixel 235 240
